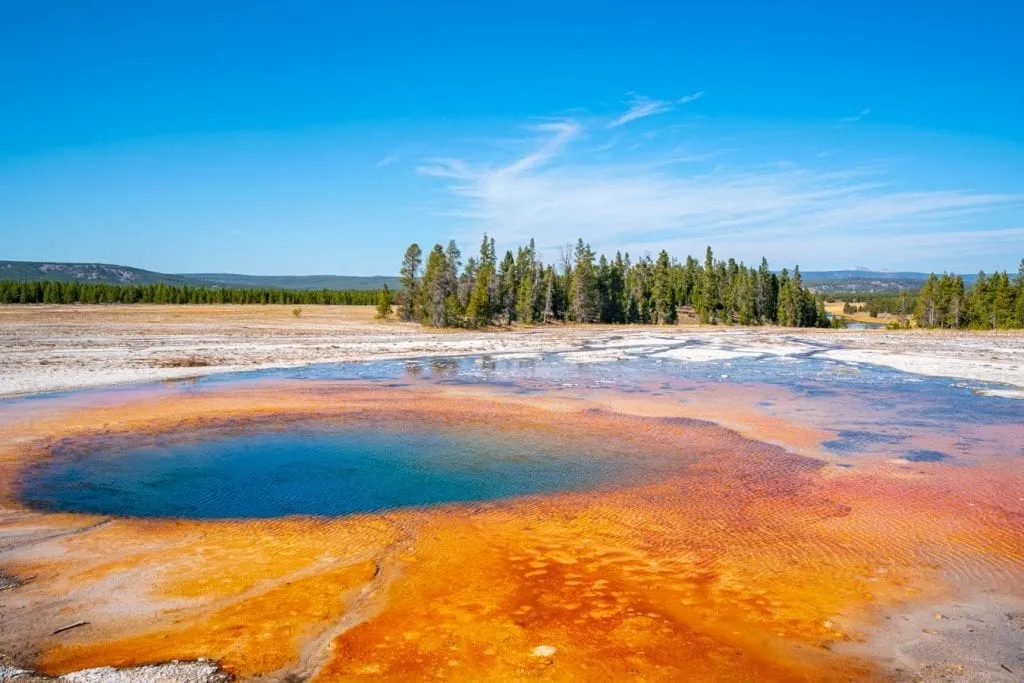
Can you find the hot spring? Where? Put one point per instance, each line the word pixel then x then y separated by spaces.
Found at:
pixel 307 469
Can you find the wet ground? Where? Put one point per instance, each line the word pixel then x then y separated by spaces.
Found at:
pixel 629 508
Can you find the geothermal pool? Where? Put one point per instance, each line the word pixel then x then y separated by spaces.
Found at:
pixel 307 469
pixel 683 512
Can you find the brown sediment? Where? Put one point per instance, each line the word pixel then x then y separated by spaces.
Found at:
pixel 747 561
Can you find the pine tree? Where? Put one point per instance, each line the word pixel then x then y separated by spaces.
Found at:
pixel 453 257
pixel 585 298
pixel 479 311
pixel 709 302
pixel 590 288
pixel 620 283
pixel 436 288
pixel 548 309
pixel 1018 295
pixel 480 308
pixel 821 316
pixel 384 303
pixel 641 283
pixel 467 282
pixel 786 315
pixel 507 288
pixel 925 313
pixel 797 301
pixel 526 288
pixel 980 302
pixel 611 289
pixel 746 292
pixel 1002 301
pixel 409 277
pixel 662 292
pixel 953 299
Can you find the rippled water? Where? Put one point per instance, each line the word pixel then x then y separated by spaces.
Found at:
pixel 309 471
pixel 869 410
pixel 858 395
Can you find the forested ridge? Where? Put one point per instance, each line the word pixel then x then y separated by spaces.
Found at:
pixel 587 288
pixel 52 292
pixel 111 274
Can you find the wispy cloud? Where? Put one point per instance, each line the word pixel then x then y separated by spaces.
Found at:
pixel 386 161
pixel 559 134
pixel 557 193
pixel 641 106
pixel 861 114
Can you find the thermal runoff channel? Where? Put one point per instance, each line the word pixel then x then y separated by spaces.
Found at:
pixel 583 517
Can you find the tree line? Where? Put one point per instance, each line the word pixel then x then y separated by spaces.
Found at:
pixel 54 292
pixel 993 302
pixel 586 288
pixel 900 304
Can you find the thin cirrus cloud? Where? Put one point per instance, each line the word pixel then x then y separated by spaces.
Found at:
pixel 641 106
pixel 681 201
pixel 860 115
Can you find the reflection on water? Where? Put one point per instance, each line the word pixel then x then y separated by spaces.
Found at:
pixel 682 546
pixel 869 410
pixel 925 455
pixel 857 441
pixel 852 400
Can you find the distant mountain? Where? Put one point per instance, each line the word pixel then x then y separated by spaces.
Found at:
pixel 104 273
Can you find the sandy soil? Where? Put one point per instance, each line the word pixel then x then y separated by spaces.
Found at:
pixel 979 637
pixel 52 348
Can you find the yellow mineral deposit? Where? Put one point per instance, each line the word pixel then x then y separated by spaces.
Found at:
pixel 750 562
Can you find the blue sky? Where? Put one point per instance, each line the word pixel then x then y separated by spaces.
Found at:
pixel 323 137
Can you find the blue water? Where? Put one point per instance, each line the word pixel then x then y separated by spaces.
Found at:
pixel 307 471
pixel 871 410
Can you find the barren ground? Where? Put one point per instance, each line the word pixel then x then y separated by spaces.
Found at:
pixel 52 348
pixel 816 578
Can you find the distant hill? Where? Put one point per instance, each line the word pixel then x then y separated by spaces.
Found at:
pixel 296 281
pixel 104 273
pixel 863 280
pixel 861 274
pixel 824 281
pixel 95 273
